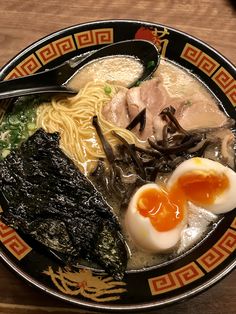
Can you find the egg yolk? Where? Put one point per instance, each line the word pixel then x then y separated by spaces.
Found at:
pixel 164 209
pixel 202 188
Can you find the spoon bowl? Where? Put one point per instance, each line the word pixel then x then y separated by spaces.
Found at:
pixel 55 80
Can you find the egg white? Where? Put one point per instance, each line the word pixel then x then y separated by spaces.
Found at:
pixel 224 202
pixel 142 231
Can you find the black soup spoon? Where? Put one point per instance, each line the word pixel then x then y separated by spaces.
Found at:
pixel 55 80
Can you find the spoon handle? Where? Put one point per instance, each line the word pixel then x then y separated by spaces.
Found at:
pixel 48 81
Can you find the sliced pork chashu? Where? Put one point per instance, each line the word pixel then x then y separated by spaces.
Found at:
pixel 195 107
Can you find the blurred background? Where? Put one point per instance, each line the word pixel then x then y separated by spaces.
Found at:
pixel 23 22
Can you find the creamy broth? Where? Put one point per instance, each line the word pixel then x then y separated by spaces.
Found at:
pixel 181 90
pixel 199 223
pixel 180 85
pixel 121 70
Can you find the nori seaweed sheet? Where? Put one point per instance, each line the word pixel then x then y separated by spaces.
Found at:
pixel 49 199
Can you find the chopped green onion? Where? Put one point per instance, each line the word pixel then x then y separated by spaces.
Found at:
pixel 150 64
pixel 20 123
pixel 13 120
pixel 31 126
pixel 107 90
pixel 3 144
pixel 5 127
pixel 24 134
pixel 188 103
pixel 5 152
pixel 15 135
pixel 14 127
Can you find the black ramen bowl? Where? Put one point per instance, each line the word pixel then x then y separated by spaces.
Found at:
pixel 157 286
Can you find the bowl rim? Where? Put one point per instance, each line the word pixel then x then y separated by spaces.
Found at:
pixel 97 22
pixel 118 308
pixel 114 307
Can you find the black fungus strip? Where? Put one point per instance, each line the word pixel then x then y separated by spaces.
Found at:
pixel 105 144
pixel 115 181
pixel 177 139
pixel 131 150
pixel 199 148
pixel 149 152
pixel 175 148
pixel 169 113
pixel 165 136
pixel 99 176
pixel 139 119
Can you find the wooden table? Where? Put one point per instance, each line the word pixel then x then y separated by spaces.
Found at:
pixel 23 22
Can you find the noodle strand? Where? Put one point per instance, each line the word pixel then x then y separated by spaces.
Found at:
pixel 72 117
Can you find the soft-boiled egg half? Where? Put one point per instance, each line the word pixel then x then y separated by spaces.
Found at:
pixel 206 183
pixel 157 214
pixel 155 218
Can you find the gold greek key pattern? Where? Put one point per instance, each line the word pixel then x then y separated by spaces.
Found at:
pixel 94 37
pixel 176 279
pixel 191 54
pixel 61 47
pixel 231 93
pixel 13 242
pixel 207 64
pixel 219 252
pixel 56 49
pixel 200 59
pixel 226 83
pixel 28 66
pixel 223 79
pixel 233 225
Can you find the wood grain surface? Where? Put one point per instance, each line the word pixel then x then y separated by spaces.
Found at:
pixel 25 21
